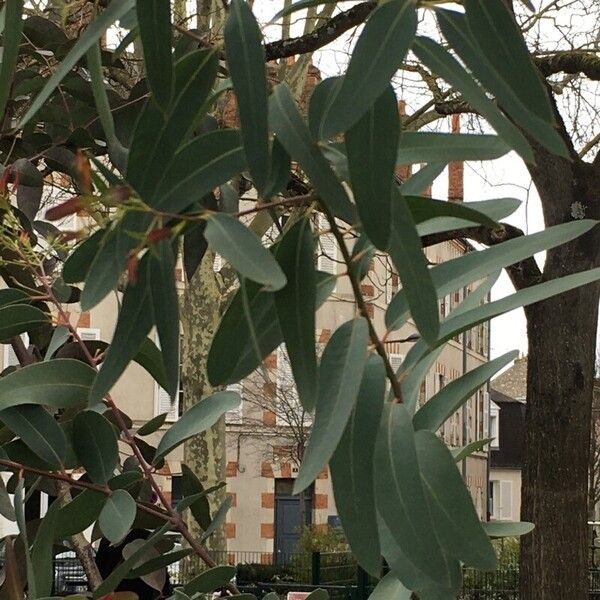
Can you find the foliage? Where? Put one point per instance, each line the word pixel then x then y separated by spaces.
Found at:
pixel 143 169
pixel 315 538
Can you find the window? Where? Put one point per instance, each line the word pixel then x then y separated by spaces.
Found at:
pixel 10 358
pixel 501 499
pixel 87 334
pixel 392 281
pixel 162 401
pixel 235 416
pixel 495 425
pixel 327 260
pixel 176 490
pixel 289 409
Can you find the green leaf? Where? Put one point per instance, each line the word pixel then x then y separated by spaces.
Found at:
pixel 473 266
pixel 20 514
pixel 500 529
pixel 6 508
pixel 152 425
pixel 12 296
pixel 165 307
pixel 408 258
pixel 18 318
pixel 456 523
pixel 318 594
pixel 423 209
pixel 117 515
pixel 78 514
pixel 77 264
pixel 280 170
pixel 42 552
pixel 160 562
pixel 295 305
pixel 400 496
pixel 157 138
pixel 451 397
pixel 371 146
pixel 352 469
pixel 217 520
pixel 154 19
pixel 186 502
pixel 192 486
pixel 198 418
pixel 116 150
pixel 319 101
pixel 128 480
pixel 422 179
pixel 13 586
pixel 95 443
pixel 296 6
pixel 121 571
pixel 476 446
pixel 39 430
pixel 134 323
pixel 536 293
pixel 204 163
pixel 60 383
pixel 243 250
pixel 150 358
pixel 59 337
pixel 340 374
pixel 246 62
pixel 426 146
pixel 229 362
pixel 11 39
pixel 495 210
pixel 84 42
pixel 390 588
pixel 455 28
pixel 210 580
pixel 289 125
pixel 378 54
pixel 504 47
pixel 443 64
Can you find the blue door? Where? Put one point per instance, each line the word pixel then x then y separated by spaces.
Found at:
pixel 289 518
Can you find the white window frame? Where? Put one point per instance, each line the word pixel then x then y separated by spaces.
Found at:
pixel 502 499
pixel 161 398
pixel 328 256
pixel 494 425
pixel 236 415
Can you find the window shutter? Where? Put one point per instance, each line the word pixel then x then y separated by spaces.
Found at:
pixel 486 415
pixel 395 362
pixel 10 358
pixel 235 416
pixel 505 499
pixel 162 401
pixel 327 255
pixel 87 334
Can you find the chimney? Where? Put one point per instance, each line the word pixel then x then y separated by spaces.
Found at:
pixel 403 171
pixel 456 184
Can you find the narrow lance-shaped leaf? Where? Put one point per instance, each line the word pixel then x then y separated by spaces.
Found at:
pixel 400 497
pixel 500 529
pixel 133 325
pixel 451 397
pixel 244 251
pixel 78 514
pixel 246 62
pixel 217 520
pixel 340 374
pixel 293 133
pixel 190 486
pixel 476 446
pixel 165 307
pixel 85 41
pixel 352 469
pixel 11 39
pixel 378 54
pixel 154 19
pixel 21 522
pixel 42 552
pixel 371 145
pixel 6 508
pixel 117 515
pixel 461 271
pixel 19 318
pixel 295 305
pixel 390 587
pixel 456 523
pixel 210 580
pixel 198 418
pixel 408 258
pixel 445 65
pixel 95 443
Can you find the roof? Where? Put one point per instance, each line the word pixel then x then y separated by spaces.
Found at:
pixel 500 398
pixel 513 382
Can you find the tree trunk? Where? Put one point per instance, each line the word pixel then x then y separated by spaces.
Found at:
pixel 204 454
pixel 562 337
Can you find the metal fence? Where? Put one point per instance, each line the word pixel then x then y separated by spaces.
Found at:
pixel 261 572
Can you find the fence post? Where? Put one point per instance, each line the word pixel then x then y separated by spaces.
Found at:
pixel 362 583
pixel 315 572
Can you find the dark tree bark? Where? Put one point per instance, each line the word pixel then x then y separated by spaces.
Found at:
pixel 562 340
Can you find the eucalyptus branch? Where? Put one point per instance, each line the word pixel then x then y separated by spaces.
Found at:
pixel 362 305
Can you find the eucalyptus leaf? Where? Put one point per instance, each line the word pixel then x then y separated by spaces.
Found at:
pixel 117 515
